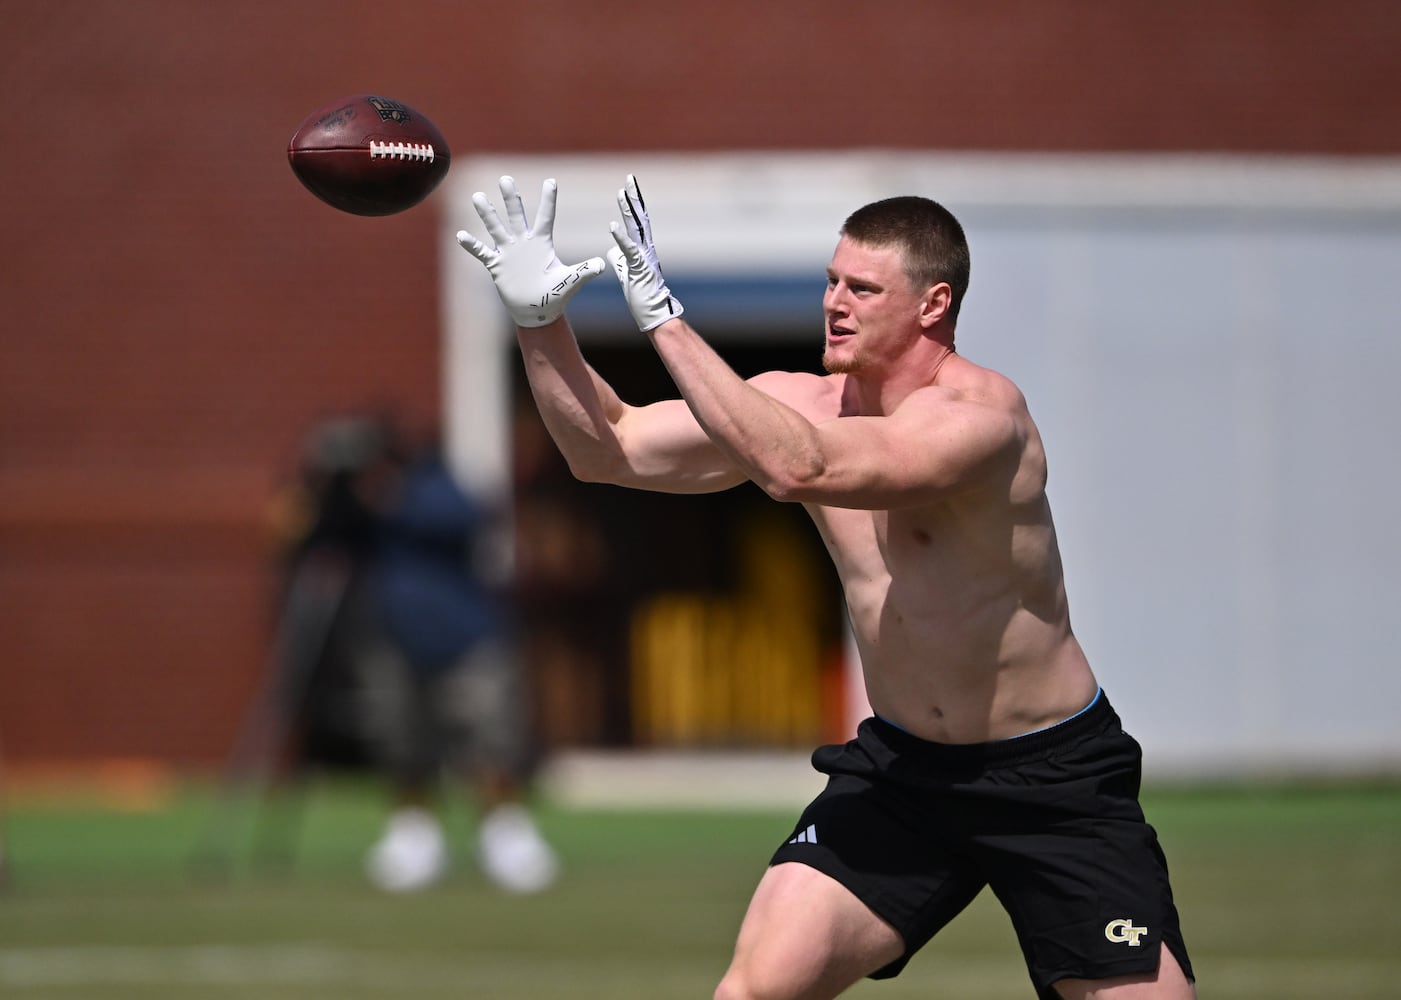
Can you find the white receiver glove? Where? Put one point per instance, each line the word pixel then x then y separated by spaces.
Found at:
pixel 532 282
pixel 635 262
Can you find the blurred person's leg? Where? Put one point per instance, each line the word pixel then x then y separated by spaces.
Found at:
pixel 486 729
pixel 412 851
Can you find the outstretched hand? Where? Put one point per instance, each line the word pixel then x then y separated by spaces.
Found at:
pixel 533 283
pixel 635 263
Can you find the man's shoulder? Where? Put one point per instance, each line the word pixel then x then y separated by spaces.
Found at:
pixel 1001 395
pixel 978 384
pixel 778 378
pixel 800 390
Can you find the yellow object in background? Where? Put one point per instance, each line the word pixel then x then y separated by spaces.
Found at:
pixel 740 670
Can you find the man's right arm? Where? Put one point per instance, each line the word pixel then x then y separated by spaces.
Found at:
pixel 657 447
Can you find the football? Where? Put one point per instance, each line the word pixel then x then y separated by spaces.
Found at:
pixel 369 155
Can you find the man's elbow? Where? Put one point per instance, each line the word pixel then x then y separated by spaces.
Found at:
pixel 793 484
pixel 588 470
pixel 598 466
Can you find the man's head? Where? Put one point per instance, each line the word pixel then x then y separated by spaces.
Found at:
pixel 929 238
pixel 896 280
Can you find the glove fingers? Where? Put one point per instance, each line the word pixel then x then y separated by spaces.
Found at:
pixel 634 215
pixel 582 273
pixel 625 212
pixel 491 220
pixel 589 269
pixel 634 261
pixel 545 216
pixel 619 260
pixel 515 207
pixel 475 247
pixel 576 278
pixel 626 244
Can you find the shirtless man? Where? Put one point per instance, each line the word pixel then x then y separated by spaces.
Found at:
pixel 993 757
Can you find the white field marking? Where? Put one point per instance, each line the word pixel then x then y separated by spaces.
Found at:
pixel 322 966
pixel 974 978
pixel 211 963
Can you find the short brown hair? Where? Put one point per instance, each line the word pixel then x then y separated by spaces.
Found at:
pixel 927 234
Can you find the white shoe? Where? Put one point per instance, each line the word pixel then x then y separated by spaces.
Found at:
pixel 411 855
pixel 513 854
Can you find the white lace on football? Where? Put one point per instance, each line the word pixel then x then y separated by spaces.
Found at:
pixel 401 151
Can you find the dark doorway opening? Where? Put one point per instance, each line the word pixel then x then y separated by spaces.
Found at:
pixel 652 619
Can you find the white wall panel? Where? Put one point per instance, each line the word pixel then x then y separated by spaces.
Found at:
pixel 1210 347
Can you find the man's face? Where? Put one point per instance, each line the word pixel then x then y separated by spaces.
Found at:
pixel 872 312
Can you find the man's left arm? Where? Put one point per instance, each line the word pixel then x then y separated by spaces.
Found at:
pixel 935 443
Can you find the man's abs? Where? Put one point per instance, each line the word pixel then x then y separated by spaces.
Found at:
pixel 949 700
pixel 962 624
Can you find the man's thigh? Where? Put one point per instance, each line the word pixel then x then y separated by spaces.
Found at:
pixel 805 935
pixel 1169 982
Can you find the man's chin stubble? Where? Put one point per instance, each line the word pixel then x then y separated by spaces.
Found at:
pixel 834 365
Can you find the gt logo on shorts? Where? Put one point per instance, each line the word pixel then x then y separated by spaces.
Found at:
pixel 1123 931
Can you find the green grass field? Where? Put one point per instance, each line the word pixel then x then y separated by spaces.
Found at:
pixel 1285 892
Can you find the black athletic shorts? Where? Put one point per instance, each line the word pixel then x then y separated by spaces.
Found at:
pixel 1049 820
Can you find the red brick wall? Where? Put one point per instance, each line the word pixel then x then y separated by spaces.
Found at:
pixel 176 308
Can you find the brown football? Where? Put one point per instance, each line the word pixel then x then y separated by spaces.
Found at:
pixel 369 155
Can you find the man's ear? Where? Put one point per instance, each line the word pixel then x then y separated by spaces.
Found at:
pixel 935 303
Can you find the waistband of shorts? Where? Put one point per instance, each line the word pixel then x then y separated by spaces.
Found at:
pixel 1093 718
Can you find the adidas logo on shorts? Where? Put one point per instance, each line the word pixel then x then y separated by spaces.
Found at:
pixel 808 836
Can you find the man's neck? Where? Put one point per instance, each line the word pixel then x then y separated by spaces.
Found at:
pixel 875 393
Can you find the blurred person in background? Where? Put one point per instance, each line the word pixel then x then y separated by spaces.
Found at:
pixel 325 525
pixel 397 651
pixel 993 757
pixel 443 682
